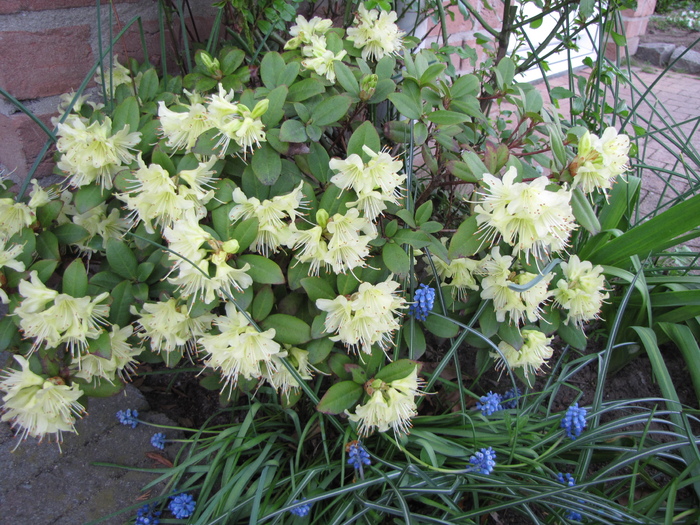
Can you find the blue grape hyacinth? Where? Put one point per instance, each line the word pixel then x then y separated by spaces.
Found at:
pixel 158 440
pixel 574 421
pixel 148 515
pixel 424 299
pixel 509 400
pixel 301 510
pixel 182 505
pixel 483 461
pixel 568 480
pixel 357 455
pixel 489 403
pixel 128 417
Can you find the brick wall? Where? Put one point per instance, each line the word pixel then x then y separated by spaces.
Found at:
pixel 47 48
pixel 635 22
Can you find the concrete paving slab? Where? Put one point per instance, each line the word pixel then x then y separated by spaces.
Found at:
pixel 41 485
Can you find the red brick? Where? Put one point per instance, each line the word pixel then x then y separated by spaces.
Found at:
pixel 41 64
pixel 644 8
pixel 16 6
pixel 458 25
pixel 21 140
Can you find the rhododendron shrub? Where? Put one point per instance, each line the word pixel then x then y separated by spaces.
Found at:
pixel 270 224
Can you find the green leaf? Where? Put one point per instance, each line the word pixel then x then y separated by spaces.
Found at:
pixel 414 338
pixel 396 259
pixel 505 71
pixel 101 389
pixel 87 197
pixel 267 164
pixel 417 239
pixel 340 397
pixel 122 299
pixel 230 59
pixel 331 110
pixel 318 288
pixel 424 212
pixel 48 213
pixel 314 132
pixel 346 79
pixel 293 131
pixel 466 241
pixel 318 162
pixel 75 281
pixel 431 74
pixel 364 135
pixel 270 67
pixel 262 269
pixel 245 233
pixel 651 236
pixel 584 212
pixel 560 92
pixel 70 233
pixel 441 327
pixel 288 329
pixel 347 283
pixel 319 349
pixel 288 74
pixel 275 111
pixel 357 373
pixel 126 114
pixel 106 280
pixel 447 118
pixel 406 105
pixel 9 333
pixel 305 89
pixel 121 259
pixel 44 268
pixel 149 86
pixel 262 303
pixel 397 370
pixel 572 335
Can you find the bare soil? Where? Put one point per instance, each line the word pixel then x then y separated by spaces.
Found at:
pixel 661 32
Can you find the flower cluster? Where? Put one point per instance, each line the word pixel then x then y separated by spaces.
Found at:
pixel 148 515
pixel 94 151
pixel 357 455
pixel 497 284
pixel 310 34
pixel 423 301
pixel 531 357
pixel 366 318
pixel 272 216
pixel 581 292
pixel 239 350
pixel 568 480
pixel 600 160
pixel 280 378
pixel 158 440
pixel 182 505
pixel 574 421
pixel 301 510
pixel 459 273
pixel 54 318
pixel 339 243
pixel 375 183
pixel 489 403
pixel 391 405
pixel 526 215
pixel 128 417
pixel 483 461
pixel 375 33
pixel 39 405
pixel 168 327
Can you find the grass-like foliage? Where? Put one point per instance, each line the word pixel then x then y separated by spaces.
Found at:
pixel 332 226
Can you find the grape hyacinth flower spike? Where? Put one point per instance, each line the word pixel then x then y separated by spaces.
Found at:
pixel 423 301
pixel 489 403
pixel 128 417
pixel 574 421
pixel 357 457
pixel 182 505
pixel 158 440
pixel 301 510
pixel 510 398
pixel 483 461
pixel 148 515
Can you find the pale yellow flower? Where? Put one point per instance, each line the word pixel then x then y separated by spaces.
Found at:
pixel 39 406
pixel 374 414
pixel 600 160
pixel 375 33
pixel 304 30
pixel 531 356
pixel 581 292
pixel 282 379
pixel 321 59
pixel 183 127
